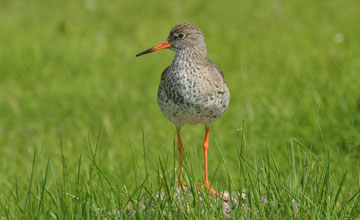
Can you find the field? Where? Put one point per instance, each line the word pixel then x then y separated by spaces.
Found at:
pixel 81 134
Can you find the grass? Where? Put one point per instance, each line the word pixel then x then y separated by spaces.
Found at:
pixel 308 190
pixel 68 69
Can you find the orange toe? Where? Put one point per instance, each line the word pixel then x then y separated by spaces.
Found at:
pixel 214 192
pixel 182 184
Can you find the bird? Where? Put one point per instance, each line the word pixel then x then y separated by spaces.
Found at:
pixel 192 89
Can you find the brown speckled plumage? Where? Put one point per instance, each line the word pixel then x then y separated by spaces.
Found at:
pixel 192 89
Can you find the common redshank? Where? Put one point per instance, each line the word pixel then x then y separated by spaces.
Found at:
pixel 192 89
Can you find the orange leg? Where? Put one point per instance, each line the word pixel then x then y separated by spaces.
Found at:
pixel 180 148
pixel 206 147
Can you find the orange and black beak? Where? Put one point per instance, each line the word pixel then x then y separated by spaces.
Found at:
pixel 163 45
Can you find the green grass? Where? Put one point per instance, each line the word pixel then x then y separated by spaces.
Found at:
pixel 68 70
pixel 309 190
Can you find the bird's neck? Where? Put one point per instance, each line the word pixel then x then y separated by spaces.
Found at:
pixel 189 55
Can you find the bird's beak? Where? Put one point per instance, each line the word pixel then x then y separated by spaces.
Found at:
pixel 163 45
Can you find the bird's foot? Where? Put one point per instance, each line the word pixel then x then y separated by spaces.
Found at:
pixel 207 187
pixel 182 185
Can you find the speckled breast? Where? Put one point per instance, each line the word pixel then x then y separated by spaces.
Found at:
pixel 192 98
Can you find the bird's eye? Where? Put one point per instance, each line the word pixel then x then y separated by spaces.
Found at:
pixel 181 36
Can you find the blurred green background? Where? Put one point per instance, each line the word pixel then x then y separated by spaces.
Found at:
pixel 68 70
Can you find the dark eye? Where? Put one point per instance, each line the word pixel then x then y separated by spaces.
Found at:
pixel 181 36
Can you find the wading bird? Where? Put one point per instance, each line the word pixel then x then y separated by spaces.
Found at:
pixel 192 89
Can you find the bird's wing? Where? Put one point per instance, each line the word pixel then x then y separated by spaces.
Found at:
pixel 163 74
pixel 163 86
pixel 217 68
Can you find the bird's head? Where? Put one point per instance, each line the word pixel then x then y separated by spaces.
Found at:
pixel 182 36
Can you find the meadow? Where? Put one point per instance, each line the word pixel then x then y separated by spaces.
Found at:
pixel 81 133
